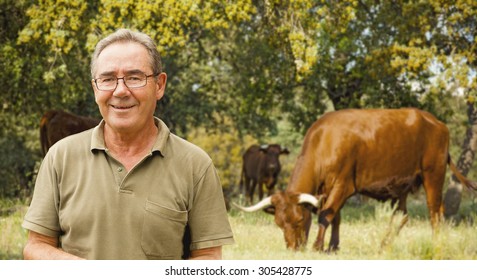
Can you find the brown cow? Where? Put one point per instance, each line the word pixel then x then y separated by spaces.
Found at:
pixel 261 166
pixel 56 125
pixel 384 154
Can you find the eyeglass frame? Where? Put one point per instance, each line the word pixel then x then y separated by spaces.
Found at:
pixel 124 81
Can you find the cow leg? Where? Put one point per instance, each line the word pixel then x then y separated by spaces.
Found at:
pixel 246 191
pixel 252 190
pixel 333 204
pixel 335 233
pixel 402 204
pixel 434 201
pixel 319 243
pixel 433 182
pixel 260 190
pixel 242 188
pixel 434 167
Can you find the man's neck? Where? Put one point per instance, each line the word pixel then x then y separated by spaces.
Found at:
pixel 130 147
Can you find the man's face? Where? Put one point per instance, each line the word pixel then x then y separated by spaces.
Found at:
pixel 127 110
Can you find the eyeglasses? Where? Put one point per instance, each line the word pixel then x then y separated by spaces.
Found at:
pixel 109 83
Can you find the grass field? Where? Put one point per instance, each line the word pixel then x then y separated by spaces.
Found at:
pixel 363 229
pixel 12 235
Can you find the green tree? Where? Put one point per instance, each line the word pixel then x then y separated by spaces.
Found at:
pixel 455 37
pixel 62 35
pixel 17 150
pixel 381 54
pixel 247 64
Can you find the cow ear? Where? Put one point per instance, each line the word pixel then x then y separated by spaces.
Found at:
pixel 321 198
pixel 270 210
pixel 284 151
pixel 311 208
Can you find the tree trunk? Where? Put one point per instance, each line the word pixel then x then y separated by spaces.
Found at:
pixel 454 191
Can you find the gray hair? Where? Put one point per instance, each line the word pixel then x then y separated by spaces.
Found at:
pixel 126 35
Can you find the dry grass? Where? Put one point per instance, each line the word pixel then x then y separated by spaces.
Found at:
pixel 12 235
pixel 362 231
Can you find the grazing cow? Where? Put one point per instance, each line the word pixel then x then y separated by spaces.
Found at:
pixel 384 154
pixel 56 125
pixel 261 166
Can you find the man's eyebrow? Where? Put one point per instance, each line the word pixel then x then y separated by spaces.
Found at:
pixel 129 72
pixel 106 74
pixel 134 71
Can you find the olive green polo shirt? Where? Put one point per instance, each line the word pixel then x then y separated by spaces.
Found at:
pixel 100 211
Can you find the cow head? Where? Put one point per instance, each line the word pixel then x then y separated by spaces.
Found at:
pixel 292 214
pixel 272 152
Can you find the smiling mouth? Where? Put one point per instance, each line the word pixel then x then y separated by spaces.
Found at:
pixel 122 107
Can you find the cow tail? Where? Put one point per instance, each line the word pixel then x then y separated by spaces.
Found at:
pixel 469 184
pixel 43 135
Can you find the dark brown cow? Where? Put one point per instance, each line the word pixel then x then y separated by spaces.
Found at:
pixel 384 154
pixel 261 166
pixel 56 125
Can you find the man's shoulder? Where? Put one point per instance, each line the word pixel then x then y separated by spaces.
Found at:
pixel 178 150
pixel 180 146
pixel 74 142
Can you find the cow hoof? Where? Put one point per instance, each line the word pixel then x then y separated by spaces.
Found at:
pixel 333 250
pixel 318 247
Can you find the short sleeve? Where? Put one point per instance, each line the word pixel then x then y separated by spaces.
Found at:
pixel 42 215
pixel 208 220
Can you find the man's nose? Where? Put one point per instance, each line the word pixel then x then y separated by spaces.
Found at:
pixel 121 88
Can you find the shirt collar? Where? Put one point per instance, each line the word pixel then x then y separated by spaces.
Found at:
pixel 97 138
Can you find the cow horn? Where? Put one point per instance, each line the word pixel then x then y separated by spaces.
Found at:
pixel 308 198
pixel 260 205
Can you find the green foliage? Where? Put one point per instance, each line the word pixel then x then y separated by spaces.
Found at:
pixel 243 65
pixel 225 149
pixel 252 61
pixel 19 159
pixel 16 169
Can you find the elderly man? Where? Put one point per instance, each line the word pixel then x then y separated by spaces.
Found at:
pixel 128 188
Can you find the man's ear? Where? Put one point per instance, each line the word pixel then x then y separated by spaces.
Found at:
pixel 161 85
pixel 95 89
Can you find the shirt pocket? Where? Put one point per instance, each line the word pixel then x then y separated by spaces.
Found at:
pixel 162 231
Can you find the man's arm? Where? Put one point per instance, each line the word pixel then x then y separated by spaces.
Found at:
pixel 43 247
pixel 213 253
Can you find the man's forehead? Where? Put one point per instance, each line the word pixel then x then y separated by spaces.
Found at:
pixel 130 51
pixel 125 58
pixel 123 45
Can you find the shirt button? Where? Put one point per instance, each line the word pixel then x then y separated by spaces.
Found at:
pixel 120 169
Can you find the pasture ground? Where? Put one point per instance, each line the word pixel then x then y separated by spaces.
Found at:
pixel 363 228
pixel 12 235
